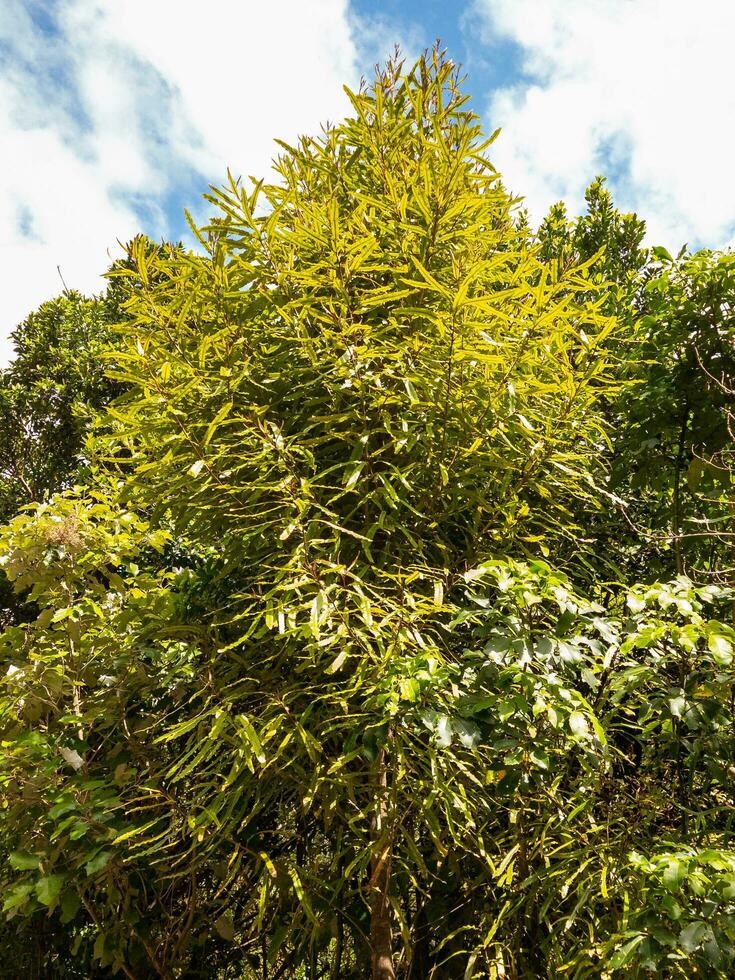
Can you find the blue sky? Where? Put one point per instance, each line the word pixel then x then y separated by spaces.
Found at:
pixel 116 114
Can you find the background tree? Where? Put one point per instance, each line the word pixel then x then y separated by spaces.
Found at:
pixel 56 379
pixel 670 429
pixel 50 395
pixel 675 436
pixel 56 383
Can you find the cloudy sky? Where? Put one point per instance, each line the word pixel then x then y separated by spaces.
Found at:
pixel 116 114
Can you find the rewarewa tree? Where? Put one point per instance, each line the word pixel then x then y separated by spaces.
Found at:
pixel 367 386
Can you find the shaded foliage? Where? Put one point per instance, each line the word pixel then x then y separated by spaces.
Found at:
pixel 671 428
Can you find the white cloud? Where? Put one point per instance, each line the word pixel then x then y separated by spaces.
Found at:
pixel 238 75
pixel 121 103
pixel 55 210
pixel 639 89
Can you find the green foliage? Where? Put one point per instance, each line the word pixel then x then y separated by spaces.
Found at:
pixel 671 428
pixel 603 232
pixel 547 754
pixel 377 350
pixel 675 434
pixel 56 379
pixel 56 384
pixel 295 694
pixel 49 396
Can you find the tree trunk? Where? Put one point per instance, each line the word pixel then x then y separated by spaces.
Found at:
pixel 336 971
pixel 732 557
pixel 676 499
pixel 381 938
